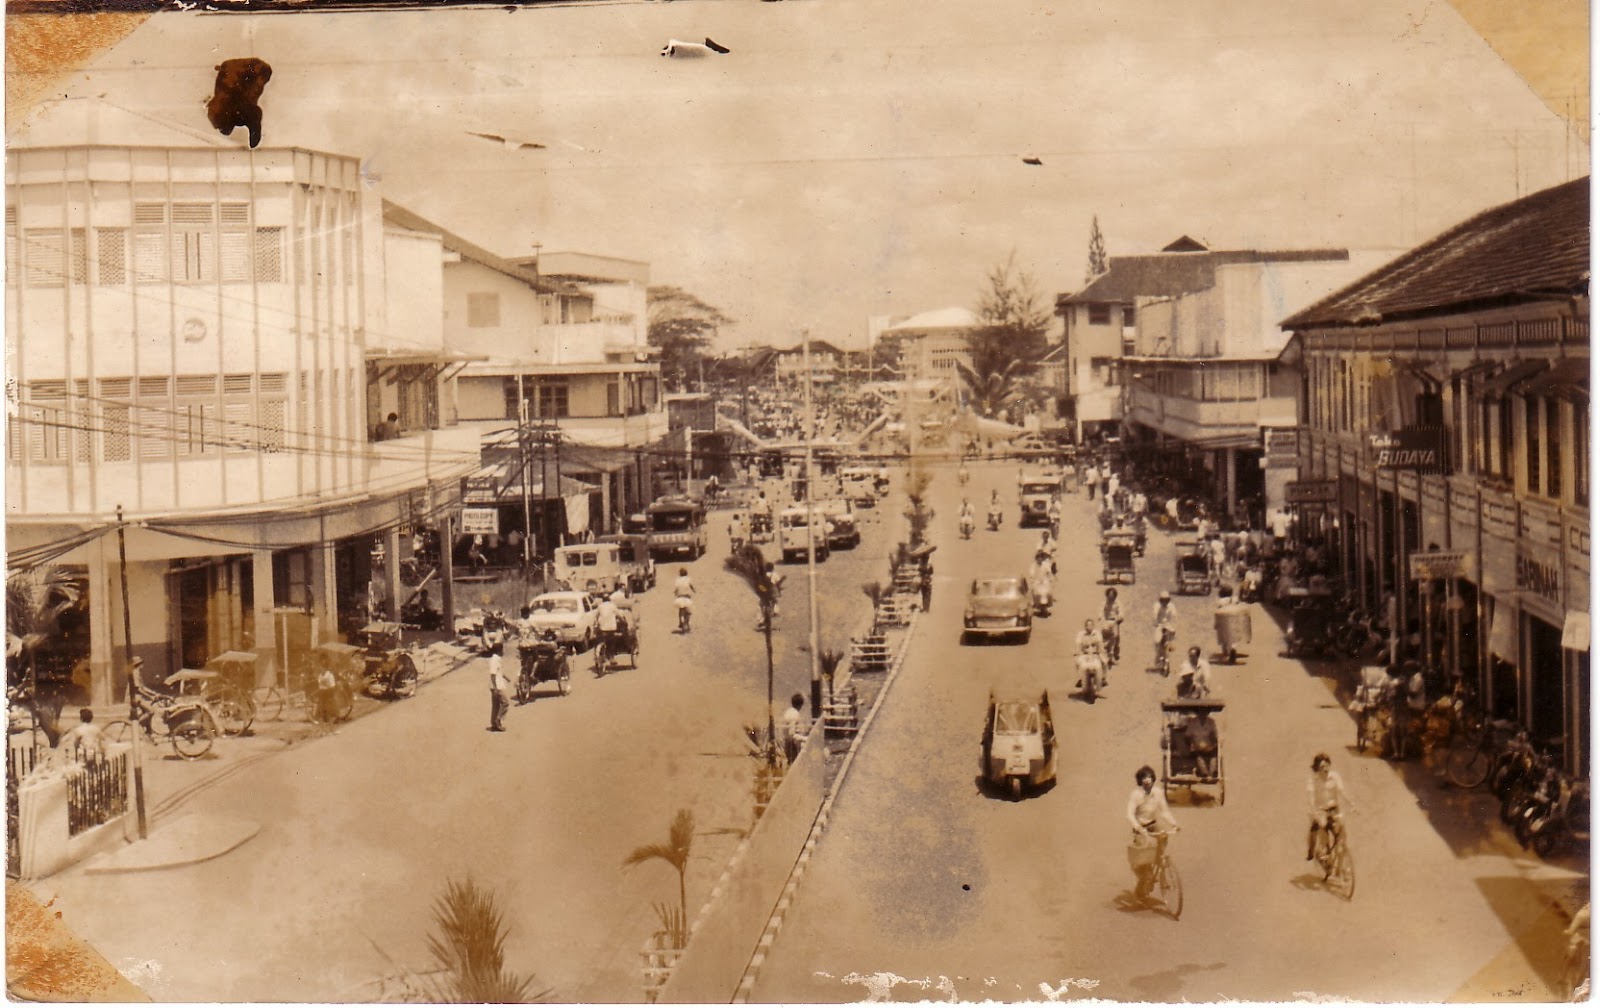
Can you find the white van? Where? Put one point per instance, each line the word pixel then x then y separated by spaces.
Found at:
pixel 793 535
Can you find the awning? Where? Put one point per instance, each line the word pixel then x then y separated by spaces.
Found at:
pixel 1518 372
pixel 1567 375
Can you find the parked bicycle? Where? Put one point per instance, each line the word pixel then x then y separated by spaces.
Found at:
pixel 1472 759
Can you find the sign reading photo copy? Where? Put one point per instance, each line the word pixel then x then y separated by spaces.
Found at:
pixel 1419 449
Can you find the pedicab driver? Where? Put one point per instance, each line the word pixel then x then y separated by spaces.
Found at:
pixel 608 619
pixel 1152 821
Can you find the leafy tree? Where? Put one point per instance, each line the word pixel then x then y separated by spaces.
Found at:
pixel 36 598
pixel 1009 340
pixel 675 852
pixel 682 326
pixel 1097 252
pixel 469 947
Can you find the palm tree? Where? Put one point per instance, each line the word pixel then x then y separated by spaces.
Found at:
pixel 991 390
pixel 675 852
pixel 470 949
pixel 35 600
pixel 751 565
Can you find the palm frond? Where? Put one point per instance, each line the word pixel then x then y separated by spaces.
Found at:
pixel 469 946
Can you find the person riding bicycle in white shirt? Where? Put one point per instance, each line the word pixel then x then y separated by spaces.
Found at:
pixel 1328 799
pixel 1165 618
pixel 1151 819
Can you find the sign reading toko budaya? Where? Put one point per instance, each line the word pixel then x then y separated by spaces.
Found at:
pixel 1416 448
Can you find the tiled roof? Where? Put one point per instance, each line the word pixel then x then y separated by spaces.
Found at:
pixel 939 318
pixel 1528 248
pixel 1168 274
pixel 398 216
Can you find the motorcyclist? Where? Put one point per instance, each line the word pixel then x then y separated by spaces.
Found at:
pixel 968 521
pixel 996 511
pixel 1111 627
pixel 1041 577
pixel 1091 653
pixel 962 474
pixel 1055 514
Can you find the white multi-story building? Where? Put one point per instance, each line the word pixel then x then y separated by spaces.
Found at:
pixel 189 331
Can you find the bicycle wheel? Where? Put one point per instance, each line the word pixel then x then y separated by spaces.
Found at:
pixel 268 701
pixel 1361 732
pixel 564 677
pixel 1468 766
pixel 235 712
pixel 1342 872
pixel 1171 888
pixel 119 731
pixel 405 677
pixel 600 653
pixel 192 739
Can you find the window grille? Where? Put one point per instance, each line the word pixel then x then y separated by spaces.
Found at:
pixel 154 388
pixel 269 254
pixel 271 434
pixel 278 382
pixel 111 249
pixel 236 384
pixel 236 430
pixel 47 252
pixel 197 385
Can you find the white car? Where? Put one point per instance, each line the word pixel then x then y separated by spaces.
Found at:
pixel 571 614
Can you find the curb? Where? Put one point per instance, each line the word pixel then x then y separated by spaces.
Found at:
pixel 769 934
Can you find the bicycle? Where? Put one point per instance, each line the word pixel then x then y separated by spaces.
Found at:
pixel 1163 663
pixel 1333 854
pixel 1472 759
pixel 1167 881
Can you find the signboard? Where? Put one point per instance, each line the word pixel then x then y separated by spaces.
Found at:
pixel 1280 447
pixel 480 521
pixel 1311 492
pixel 1575 632
pixel 1440 565
pixel 1420 449
pixel 478 490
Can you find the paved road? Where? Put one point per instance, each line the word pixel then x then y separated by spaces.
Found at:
pixel 925 888
pixel 362 828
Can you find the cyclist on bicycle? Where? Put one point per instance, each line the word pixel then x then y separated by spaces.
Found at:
pixel 683 598
pixel 1111 626
pixel 1329 800
pixel 1166 621
pixel 608 621
pixel 1147 810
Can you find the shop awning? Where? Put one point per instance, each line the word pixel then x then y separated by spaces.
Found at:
pixel 1566 376
pixel 1518 372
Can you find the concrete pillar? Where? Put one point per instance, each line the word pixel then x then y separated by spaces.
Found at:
pixel 447 568
pixel 266 622
pixel 108 683
pixel 391 571
pixel 605 502
pixel 324 596
pixel 1230 466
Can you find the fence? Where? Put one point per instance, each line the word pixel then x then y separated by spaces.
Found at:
pixel 97 792
pixel 20 761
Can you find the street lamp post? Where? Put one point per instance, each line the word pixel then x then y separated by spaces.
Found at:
pixel 811 531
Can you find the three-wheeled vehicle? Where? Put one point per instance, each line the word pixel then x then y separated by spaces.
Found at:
pixel 1191 569
pixel 1191 745
pixel 543 658
pixel 760 525
pixel 1310 624
pixel 611 645
pixel 1233 628
pixel 1019 740
pixel 1116 559
pixel 390 668
pixel 634 552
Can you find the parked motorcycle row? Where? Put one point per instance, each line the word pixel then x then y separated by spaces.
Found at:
pixel 1547 808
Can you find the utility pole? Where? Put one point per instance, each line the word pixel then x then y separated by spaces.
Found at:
pixel 524 452
pixel 133 683
pixel 811 532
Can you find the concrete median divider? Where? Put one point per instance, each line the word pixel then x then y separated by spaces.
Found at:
pixel 733 918
pixel 740 919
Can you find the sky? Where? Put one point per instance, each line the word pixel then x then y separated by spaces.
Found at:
pixel 851 159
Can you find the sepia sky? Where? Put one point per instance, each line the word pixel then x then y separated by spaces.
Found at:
pixel 856 158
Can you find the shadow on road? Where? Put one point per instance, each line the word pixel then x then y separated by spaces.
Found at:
pixel 1167 984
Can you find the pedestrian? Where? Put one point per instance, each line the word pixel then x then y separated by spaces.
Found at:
pixel 84 742
pixel 1091 477
pixel 926 586
pixel 498 688
pixel 792 731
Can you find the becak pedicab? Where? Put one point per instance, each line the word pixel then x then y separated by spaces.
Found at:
pixel 1191 745
pixel 544 658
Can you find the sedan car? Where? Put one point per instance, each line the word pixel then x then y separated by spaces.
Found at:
pixel 1019 741
pixel 998 607
pixel 571 614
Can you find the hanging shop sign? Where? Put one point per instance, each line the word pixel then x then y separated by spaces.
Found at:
pixel 1419 449
pixel 478 490
pixel 480 521
pixel 1575 631
pixel 1311 492
pixel 1280 447
pixel 1441 565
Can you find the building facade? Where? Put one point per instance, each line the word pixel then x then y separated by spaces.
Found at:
pixel 188 325
pixel 1445 441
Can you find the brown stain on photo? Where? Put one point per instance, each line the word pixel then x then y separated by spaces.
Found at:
pixel 45 961
pixel 43 50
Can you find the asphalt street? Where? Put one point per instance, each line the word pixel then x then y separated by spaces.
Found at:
pixel 361 828
pixel 924 887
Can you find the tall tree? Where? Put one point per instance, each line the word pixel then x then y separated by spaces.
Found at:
pixel 1097 252
pixel 1009 340
pixel 682 326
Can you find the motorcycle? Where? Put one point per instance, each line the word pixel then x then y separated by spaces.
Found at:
pixel 995 518
pixel 1043 595
pixel 1558 816
pixel 966 526
pixel 1091 671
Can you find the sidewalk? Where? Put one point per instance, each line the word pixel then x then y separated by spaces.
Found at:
pixel 170 781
